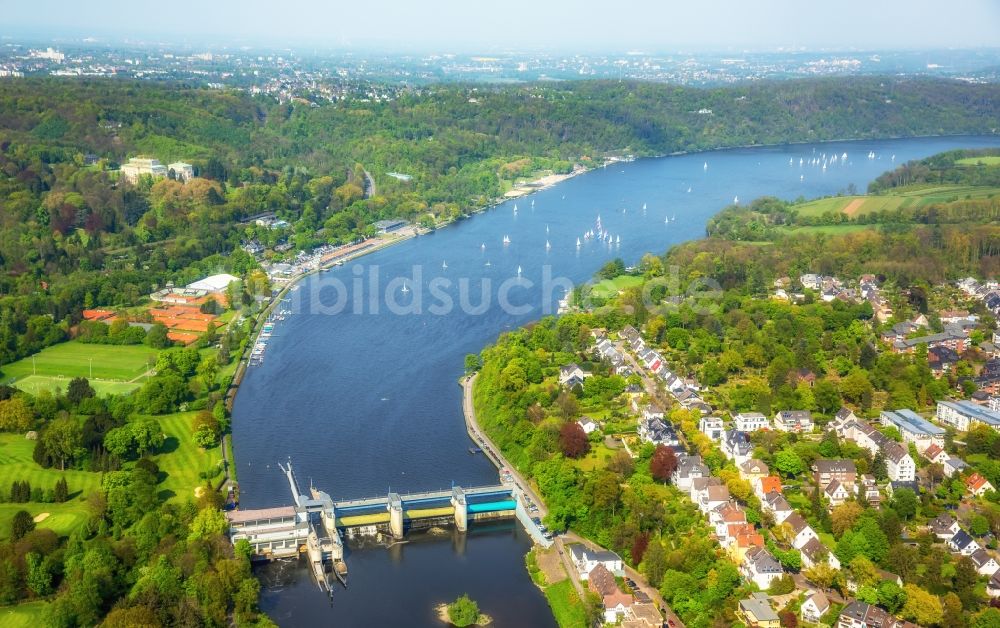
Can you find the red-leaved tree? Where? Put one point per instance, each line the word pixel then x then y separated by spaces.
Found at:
pixel 573 440
pixel 663 463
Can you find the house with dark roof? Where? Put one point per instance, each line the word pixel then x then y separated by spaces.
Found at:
pixel 801 532
pixel 736 446
pixel 859 614
pixel 985 564
pixel 943 526
pixel 841 469
pixel 778 506
pixel 572 375
pixel 760 567
pixel 962 543
pixel 814 552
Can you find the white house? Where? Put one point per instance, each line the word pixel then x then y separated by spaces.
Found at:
pixel 793 421
pixel 736 446
pixel 585 560
pixel 588 424
pixel 815 606
pixel 837 493
pixel 760 567
pixel 993 586
pixel 688 468
pixel 985 564
pixel 899 464
pixel 778 506
pixel 814 552
pixel 963 544
pixel 751 422
pixel 712 427
pixel 944 526
pixel 571 375
pixel 801 532
pixel 182 171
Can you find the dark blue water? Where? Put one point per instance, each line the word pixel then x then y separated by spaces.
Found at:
pixel 367 400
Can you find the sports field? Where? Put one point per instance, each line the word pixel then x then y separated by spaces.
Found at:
pixel 109 367
pixel 16 463
pixel 906 198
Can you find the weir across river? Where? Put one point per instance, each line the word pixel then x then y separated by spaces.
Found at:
pixel 316 525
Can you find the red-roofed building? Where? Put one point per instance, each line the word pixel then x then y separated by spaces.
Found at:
pixel 767 484
pixel 978 485
pixel 97 315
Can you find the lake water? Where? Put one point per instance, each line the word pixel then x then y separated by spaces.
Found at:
pixel 366 400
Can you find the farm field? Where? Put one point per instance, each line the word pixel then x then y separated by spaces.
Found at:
pixel 905 198
pixel 111 363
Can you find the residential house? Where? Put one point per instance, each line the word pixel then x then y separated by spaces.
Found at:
pixel 941 359
pixel 713 497
pixel 751 422
pixel 767 484
pixel 814 552
pixel 712 427
pixel 993 586
pixel 742 538
pixel 913 428
pixel 952 337
pixel 815 606
pixel 736 446
pixel 843 416
pixel 139 166
pixel 588 424
pixel 962 543
pixel 800 530
pixel 943 526
pixel 699 486
pixel 978 485
pixel 870 490
pixel 778 506
pixel 793 421
pixel 899 464
pixel 725 517
pixel 761 568
pixel 836 493
pixel 752 470
pixel 571 375
pixel 985 564
pixel 757 611
pixel 658 432
pixel 936 454
pixel 634 339
pixel 652 411
pixel 964 414
pixel 954 466
pixel 840 469
pixel 585 559
pixel 615 601
pixel 863 615
pixel 688 468
pixel 862 434
pixel 183 172
pixel 948 317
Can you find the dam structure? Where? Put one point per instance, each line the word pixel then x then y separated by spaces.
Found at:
pixel 315 525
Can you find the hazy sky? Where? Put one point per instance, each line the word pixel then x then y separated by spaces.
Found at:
pixel 663 25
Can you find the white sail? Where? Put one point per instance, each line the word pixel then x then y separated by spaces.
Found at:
pixel 578 243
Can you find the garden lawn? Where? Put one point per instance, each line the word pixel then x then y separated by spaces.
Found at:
pixel 610 287
pixel 567 607
pixel 16 463
pixel 119 363
pixel 596 458
pixel 986 160
pixel 181 459
pixel 27 615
